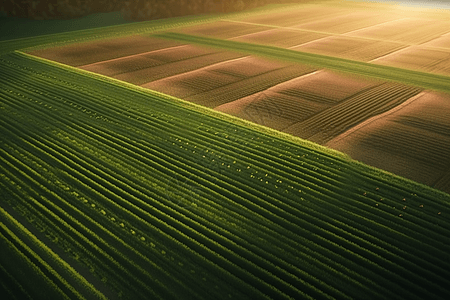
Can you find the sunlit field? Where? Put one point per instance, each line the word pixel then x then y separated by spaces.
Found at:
pixel 295 151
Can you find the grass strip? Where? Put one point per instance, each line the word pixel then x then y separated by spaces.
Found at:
pixel 417 78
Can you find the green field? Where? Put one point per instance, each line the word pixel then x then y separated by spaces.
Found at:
pixel 112 191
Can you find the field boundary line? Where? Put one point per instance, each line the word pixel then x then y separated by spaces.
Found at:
pixel 411 77
pixel 368 27
pixel 344 35
pixel 187 105
pixel 200 69
pixel 133 55
pixel 247 34
pixel 367 122
pixel 296 78
pixel 390 53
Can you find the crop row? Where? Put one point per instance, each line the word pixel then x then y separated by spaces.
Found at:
pixel 350 112
pixel 239 145
pixel 106 168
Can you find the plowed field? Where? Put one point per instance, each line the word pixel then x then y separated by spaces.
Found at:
pixel 434 60
pixel 110 188
pixel 412 141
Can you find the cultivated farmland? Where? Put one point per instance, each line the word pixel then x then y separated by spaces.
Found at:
pixel 408 141
pixel 137 196
pixel 125 175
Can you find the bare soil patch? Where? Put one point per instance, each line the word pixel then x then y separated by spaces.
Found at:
pixel 280 37
pixel 123 65
pixel 222 29
pixel 227 81
pixel 297 101
pixel 192 83
pixel 412 141
pixel 325 86
pixel 354 110
pixel 144 76
pixel 348 21
pixel 350 48
pixel 305 14
pixel 91 52
pixel 419 58
pixel 442 42
pixel 133 63
pixel 406 30
pixel 272 109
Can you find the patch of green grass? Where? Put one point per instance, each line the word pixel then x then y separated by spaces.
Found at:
pixel 416 78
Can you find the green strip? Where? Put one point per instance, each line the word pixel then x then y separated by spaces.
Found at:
pixel 420 79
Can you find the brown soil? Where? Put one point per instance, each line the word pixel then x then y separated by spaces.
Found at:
pixel 299 100
pixel 151 60
pixel 442 41
pixel 222 29
pixel 272 109
pixel 227 81
pixel 407 30
pixel 279 37
pixel 419 58
pixel 148 75
pixel 350 48
pixel 325 86
pixel 348 22
pixel 96 51
pixel 411 141
pixel 294 17
pixel 338 118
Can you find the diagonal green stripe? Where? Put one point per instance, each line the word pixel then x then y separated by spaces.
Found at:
pixel 420 79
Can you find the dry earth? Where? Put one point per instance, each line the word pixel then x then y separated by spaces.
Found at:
pixel 412 140
pixel 434 60
pixel 91 52
pixel 228 81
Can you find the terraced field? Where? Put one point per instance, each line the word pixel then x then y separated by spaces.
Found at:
pixel 119 180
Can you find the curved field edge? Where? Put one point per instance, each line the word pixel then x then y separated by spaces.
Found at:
pixel 346 221
pixel 416 78
pixel 137 28
pixel 190 105
pixel 369 171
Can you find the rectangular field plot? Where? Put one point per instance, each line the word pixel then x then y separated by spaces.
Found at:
pixel 141 69
pixel 296 101
pixel 325 87
pixel 150 59
pixel 406 30
pixel 346 22
pixel 272 109
pixel 350 48
pixel 280 37
pixel 419 58
pixel 371 99
pixel 227 81
pixel 91 52
pixel 411 141
pixel 222 29
pixel 293 17
pixel 440 42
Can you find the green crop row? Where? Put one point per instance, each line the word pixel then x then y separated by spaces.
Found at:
pixel 171 201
